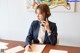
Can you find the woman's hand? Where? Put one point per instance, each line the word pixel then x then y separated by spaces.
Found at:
pixel 47 25
pixel 28 48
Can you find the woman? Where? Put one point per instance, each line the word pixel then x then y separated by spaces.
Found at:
pixel 42 31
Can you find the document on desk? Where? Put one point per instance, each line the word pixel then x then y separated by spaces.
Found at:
pixel 57 51
pixel 14 49
pixel 36 48
pixel 3 45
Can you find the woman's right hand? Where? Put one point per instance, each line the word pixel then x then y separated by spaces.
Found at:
pixel 28 48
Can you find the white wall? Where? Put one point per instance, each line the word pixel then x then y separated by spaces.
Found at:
pixel 15 22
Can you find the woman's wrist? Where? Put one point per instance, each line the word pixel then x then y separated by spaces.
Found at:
pixel 49 32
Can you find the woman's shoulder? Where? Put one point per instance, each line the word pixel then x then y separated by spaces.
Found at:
pixel 53 23
pixel 35 22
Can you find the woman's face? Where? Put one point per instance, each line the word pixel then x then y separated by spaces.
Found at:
pixel 40 15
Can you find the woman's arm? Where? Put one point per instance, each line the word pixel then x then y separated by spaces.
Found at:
pixel 29 36
pixel 53 35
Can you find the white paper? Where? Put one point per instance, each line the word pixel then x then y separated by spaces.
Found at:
pixel 3 45
pixel 57 51
pixel 15 49
pixel 36 48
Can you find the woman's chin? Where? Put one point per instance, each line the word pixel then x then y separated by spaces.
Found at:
pixel 39 20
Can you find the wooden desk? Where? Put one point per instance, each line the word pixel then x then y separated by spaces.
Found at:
pixel 46 49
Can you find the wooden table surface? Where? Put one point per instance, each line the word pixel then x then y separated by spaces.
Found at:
pixel 70 49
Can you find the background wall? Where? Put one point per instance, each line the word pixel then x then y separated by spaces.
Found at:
pixel 15 22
